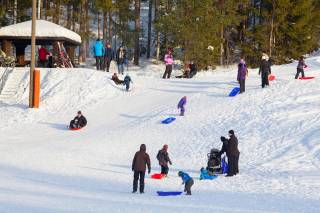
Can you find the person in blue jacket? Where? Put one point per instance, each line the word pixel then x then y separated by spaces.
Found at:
pixel 98 51
pixel 187 181
pixel 181 105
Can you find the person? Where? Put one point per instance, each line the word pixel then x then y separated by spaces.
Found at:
pixel 300 67
pixel 127 80
pixel 139 162
pixel 116 79
pixel 187 180
pixel 43 53
pixel 168 59
pixel 231 148
pixel 193 69
pixel 79 121
pixel 224 145
pixel 98 51
pixel 181 105
pixel 163 158
pixel 242 74
pixel 121 58
pixel 108 57
pixel 265 70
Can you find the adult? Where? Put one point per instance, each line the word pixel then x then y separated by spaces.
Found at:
pixel 242 74
pixel 79 121
pixel 108 57
pixel 43 53
pixel 232 154
pixel 98 51
pixel 163 158
pixel 265 70
pixel 140 161
pixel 116 79
pixel 168 59
pixel 121 59
pixel 300 67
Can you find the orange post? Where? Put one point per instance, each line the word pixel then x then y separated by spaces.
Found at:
pixel 36 89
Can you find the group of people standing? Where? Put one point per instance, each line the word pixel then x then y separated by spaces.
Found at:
pixel 141 162
pixel 104 54
pixel 264 71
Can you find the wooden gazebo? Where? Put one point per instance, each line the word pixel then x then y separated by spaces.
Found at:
pixel 47 33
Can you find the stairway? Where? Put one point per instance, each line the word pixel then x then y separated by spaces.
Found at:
pixel 12 85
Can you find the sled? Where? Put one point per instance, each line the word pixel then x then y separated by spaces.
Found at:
pixel 207 177
pixel 75 129
pixel 306 78
pixel 168 120
pixel 271 77
pixel 172 193
pixel 224 166
pixel 157 176
pixel 235 91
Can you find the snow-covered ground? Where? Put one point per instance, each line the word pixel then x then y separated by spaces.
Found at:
pixel 46 168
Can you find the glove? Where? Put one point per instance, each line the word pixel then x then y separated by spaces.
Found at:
pixel 149 171
pixel 170 163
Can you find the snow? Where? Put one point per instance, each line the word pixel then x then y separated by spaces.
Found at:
pixel 44 29
pixel 46 168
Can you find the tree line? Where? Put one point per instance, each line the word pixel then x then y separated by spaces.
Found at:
pixel 208 32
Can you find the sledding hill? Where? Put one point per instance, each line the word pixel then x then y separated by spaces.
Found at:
pixel 46 168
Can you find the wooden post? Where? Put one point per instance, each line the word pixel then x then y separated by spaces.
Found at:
pixel 7 47
pixel 33 52
pixel 71 53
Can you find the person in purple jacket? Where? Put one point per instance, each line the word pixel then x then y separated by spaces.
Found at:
pixel 168 59
pixel 181 105
pixel 242 74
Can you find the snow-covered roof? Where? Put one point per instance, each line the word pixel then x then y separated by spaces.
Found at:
pixel 44 30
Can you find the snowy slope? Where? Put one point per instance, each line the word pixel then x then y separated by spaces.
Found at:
pixel 46 168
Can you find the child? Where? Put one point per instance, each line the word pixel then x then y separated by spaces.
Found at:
pixel 181 105
pixel 127 80
pixel 187 180
pixel 300 67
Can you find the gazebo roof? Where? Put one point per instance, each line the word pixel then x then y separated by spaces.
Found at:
pixel 45 30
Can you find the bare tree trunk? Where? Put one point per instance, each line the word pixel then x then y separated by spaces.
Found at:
pixel 15 8
pixel 57 13
pixel 149 28
pixel 156 11
pixel 272 29
pixel 69 15
pixel 105 24
pixel 137 5
pixel 87 30
pixel 110 26
pixel 99 22
pixel 221 45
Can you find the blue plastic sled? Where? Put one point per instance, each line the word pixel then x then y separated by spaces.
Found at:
pixel 204 175
pixel 161 193
pixel 168 120
pixel 234 92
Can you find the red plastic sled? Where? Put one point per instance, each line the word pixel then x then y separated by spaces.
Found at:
pixel 75 129
pixel 157 176
pixel 306 78
pixel 272 77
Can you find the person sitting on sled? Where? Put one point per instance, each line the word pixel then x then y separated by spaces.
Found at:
pixel 127 80
pixel 187 181
pixel 79 121
pixel 116 79
pixel 182 104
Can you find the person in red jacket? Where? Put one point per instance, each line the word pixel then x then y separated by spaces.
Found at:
pixel 43 56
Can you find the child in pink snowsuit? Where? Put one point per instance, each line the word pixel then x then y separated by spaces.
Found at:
pixel 181 105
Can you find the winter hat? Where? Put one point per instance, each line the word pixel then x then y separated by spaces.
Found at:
pixel 165 146
pixel 79 112
pixel 143 147
pixel 223 139
pixel 180 173
pixel 231 132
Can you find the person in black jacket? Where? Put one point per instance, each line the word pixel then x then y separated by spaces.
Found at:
pixel 121 57
pixel 140 161
pixel 231 148
pixel 163 158
pixel 79 121
pixel 265 70
pixel 108 57
pixel 224 145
